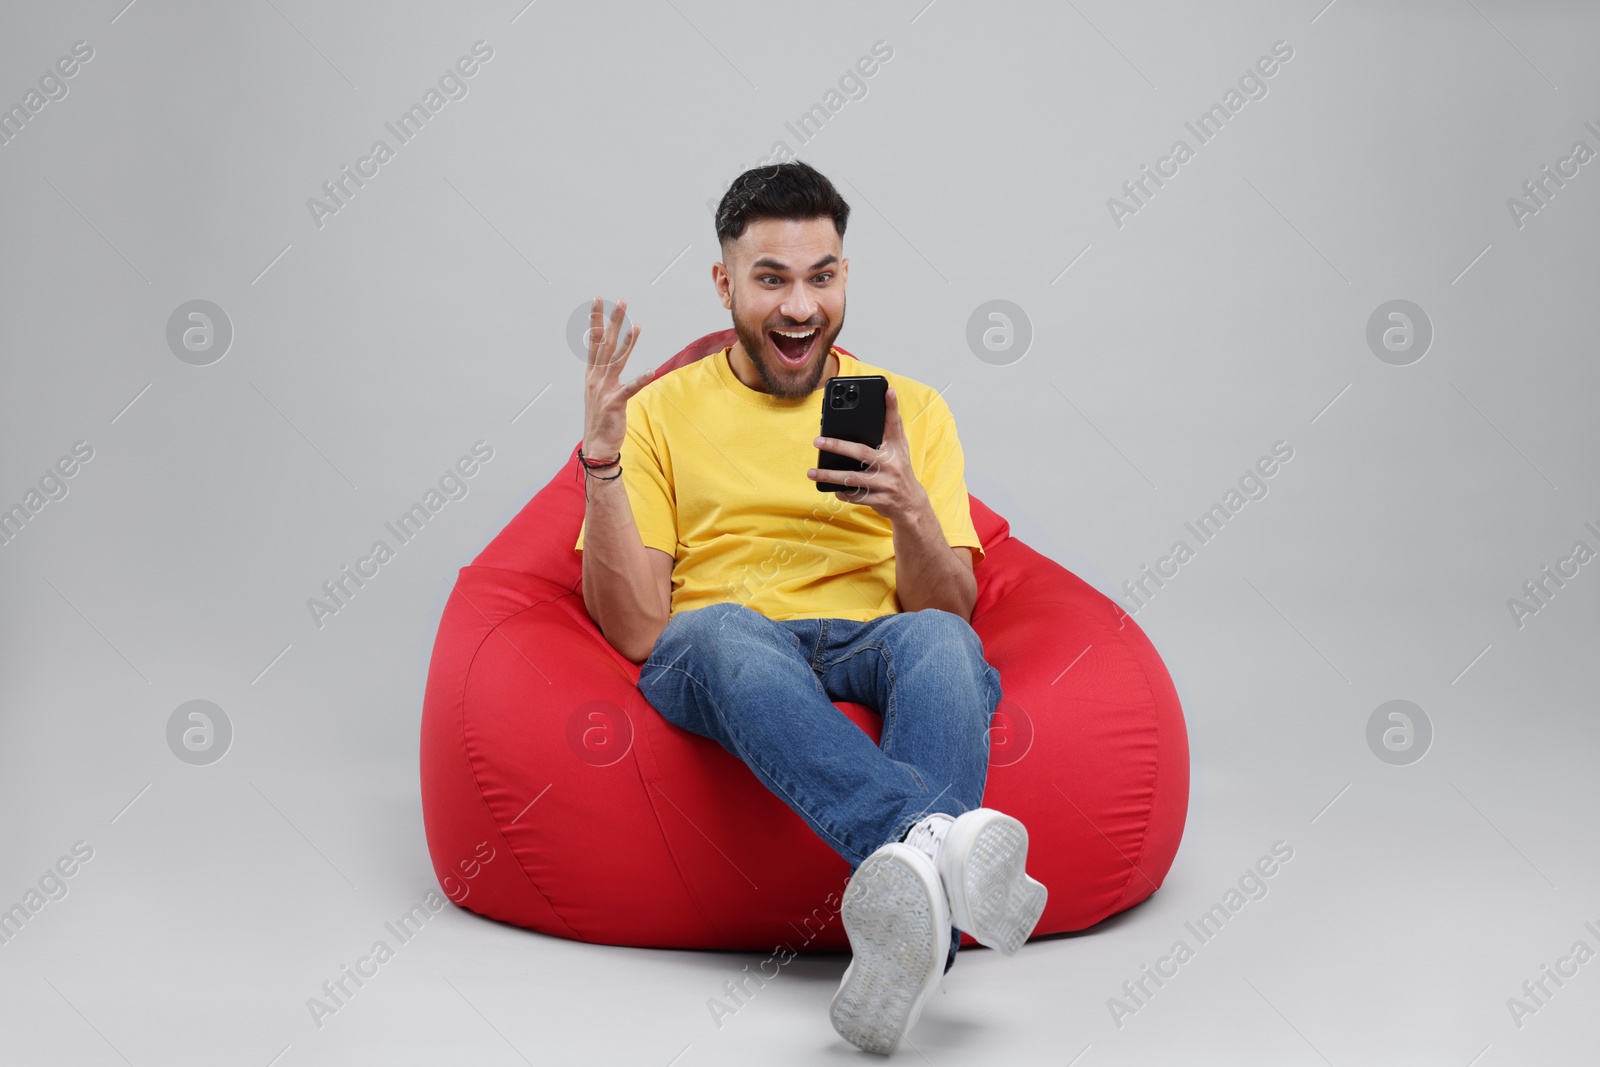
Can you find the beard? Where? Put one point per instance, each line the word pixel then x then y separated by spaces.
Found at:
pixel 777 379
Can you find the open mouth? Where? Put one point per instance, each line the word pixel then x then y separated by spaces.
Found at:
pixel 794 346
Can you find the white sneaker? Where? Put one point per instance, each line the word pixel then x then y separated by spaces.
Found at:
pixel 982 858
pixel 898 921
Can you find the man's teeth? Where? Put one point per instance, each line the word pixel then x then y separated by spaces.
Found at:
pixel 795 335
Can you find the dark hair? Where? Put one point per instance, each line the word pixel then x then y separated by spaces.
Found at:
pixel 792 190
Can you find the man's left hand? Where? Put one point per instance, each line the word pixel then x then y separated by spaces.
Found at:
pixel 889 486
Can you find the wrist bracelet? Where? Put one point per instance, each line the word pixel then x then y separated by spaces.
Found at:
pixel 590 464
pixel 586 466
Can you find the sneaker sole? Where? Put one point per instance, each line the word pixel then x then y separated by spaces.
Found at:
pixel 991 896
pixel 898 940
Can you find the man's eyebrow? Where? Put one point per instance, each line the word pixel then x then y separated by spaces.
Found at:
pixel 768 263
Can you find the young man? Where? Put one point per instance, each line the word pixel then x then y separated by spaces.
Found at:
pixel 753 601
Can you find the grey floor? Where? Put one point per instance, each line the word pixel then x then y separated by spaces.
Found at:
pixel 1153 362
pixel 1418 899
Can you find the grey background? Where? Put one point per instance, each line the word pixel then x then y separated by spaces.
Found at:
pixel 369 354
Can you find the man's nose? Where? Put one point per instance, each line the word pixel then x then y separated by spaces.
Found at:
pixel 798 305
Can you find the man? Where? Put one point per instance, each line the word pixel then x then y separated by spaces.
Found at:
pixel 753 601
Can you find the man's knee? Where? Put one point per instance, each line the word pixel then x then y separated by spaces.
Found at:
pixel 709 630
pixel 688 646
pixel 943 630
pixel 950 638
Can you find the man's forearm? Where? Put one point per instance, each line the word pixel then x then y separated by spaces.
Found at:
pixel 617 588
pixel 927 573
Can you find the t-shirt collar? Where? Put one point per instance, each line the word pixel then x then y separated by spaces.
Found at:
pixel 730 381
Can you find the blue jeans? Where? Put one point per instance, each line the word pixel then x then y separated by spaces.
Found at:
pixel 764 690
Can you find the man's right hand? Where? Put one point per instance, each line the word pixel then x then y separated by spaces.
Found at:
pixel 605 398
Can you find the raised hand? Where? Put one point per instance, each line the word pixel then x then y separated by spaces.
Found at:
pixel 605 395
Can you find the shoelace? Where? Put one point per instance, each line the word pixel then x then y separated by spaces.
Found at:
pixel 929 834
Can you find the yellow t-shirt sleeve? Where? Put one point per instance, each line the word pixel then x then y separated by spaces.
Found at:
pixel 943 475
pixel 648 483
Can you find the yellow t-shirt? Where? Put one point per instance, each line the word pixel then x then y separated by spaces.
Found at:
pixel 716 474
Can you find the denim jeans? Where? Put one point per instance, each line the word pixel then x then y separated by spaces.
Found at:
pixel 764 690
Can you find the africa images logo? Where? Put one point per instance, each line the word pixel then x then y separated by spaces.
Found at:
pixel 342 188
pixel 1205 128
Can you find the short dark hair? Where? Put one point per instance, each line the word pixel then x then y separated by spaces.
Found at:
pixel 792 190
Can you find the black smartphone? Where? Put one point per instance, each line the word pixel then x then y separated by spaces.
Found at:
pixel 853 409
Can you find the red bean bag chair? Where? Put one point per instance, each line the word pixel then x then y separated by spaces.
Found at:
pixel 555 797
